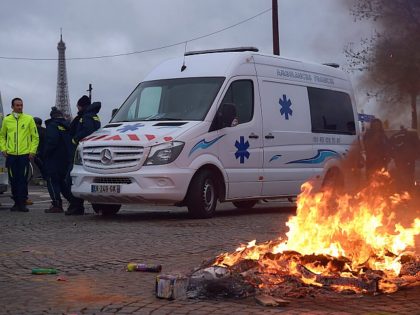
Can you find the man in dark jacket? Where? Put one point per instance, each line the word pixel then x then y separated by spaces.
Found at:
pixel 405 150
pixel 38 160
pixel 87 121
pixel 56 159
pixel 84 124
pixel 377 148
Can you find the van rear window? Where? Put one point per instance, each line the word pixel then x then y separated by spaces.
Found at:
pixel 331 111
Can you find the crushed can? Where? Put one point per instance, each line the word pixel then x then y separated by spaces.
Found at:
pixel 144 267
pixel 171 287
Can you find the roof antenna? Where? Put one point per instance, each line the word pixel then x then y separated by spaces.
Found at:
pixel 183 62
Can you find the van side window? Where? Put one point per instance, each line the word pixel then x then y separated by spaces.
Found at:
pixel 331 111
pixel 241 93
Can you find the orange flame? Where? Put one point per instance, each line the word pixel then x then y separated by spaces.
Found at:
pixel 362 227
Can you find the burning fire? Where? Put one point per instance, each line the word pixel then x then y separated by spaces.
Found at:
pixel 343 241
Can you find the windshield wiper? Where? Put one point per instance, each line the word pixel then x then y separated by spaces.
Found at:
pixel 155 116
pixel 163 118
pixel 159 116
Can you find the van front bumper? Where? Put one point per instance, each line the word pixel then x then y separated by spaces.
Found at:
pixel 150 184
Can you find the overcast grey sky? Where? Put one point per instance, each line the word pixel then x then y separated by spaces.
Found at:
pixel 309 30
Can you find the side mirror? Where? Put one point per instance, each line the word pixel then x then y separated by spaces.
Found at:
pixel 225 117
pixel 227 114
pixel 114 111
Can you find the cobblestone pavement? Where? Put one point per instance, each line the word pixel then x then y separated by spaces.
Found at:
pixel 91 253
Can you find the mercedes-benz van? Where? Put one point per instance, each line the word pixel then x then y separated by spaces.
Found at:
pixel 222 125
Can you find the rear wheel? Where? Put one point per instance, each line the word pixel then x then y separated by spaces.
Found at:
pixel 202 195
pixel 106 209
pixel 247 204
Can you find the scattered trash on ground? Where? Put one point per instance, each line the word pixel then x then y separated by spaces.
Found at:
pixel 267 300
pixel 171 287
pixel 144 267
pixel 44 271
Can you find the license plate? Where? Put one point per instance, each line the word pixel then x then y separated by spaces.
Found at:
pixel 106 189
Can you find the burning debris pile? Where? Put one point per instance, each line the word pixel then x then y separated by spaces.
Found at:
pixel 342 243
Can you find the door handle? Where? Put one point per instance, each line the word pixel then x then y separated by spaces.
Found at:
pixel 253 136
pixel 269 136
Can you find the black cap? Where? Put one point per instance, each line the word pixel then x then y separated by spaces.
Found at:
pixel 84 101
pixel 56 113
pixel 38 121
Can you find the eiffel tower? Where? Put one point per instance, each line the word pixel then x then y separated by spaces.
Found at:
pixel 62 101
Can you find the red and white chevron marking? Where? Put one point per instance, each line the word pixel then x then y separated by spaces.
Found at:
pixel 130 137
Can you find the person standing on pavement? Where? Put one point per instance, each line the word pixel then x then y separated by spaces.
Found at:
pixel 56 157
pixel 18 142
pixel 38 160
pixel 405 150
pixel 377 148
pixel 84 124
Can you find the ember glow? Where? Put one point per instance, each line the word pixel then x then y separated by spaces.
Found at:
pixel 346 242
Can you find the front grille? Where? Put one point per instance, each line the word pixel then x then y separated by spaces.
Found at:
pixel 112 180
pixel 120 157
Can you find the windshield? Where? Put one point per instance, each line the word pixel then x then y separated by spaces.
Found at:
pixel 173 99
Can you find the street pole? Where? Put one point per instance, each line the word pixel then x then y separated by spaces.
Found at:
pixel 276 44
pixel 90 91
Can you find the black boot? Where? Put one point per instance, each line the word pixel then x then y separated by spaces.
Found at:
pixel 22 206
pixel 55 207
pixel 15 207
pixel 75 209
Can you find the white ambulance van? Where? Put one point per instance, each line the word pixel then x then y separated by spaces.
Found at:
pixel 4 180
pixel 222 125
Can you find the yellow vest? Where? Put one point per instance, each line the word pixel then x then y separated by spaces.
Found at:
pixel 18 136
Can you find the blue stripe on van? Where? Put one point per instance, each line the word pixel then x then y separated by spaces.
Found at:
pixel 275 157
pixel 319 158
pixel 203 144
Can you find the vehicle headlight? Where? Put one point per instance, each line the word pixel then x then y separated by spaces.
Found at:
pixel 164 153
pixel 78 157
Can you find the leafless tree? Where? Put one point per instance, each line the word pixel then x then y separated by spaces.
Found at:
pixel 391 58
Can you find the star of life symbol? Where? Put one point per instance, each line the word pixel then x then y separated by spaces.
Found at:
pixel 106 156
pixel 285 105
pixel 242 151
pixel 130 127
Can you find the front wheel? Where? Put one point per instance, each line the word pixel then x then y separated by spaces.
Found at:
pixel 106 209
pixel 202 195
pixel 247 204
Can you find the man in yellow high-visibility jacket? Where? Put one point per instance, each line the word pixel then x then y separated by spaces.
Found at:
pixel 18 142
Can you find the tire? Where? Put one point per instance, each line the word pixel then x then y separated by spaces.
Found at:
pixel 202 195
pixel 106 209
pixel 247 204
